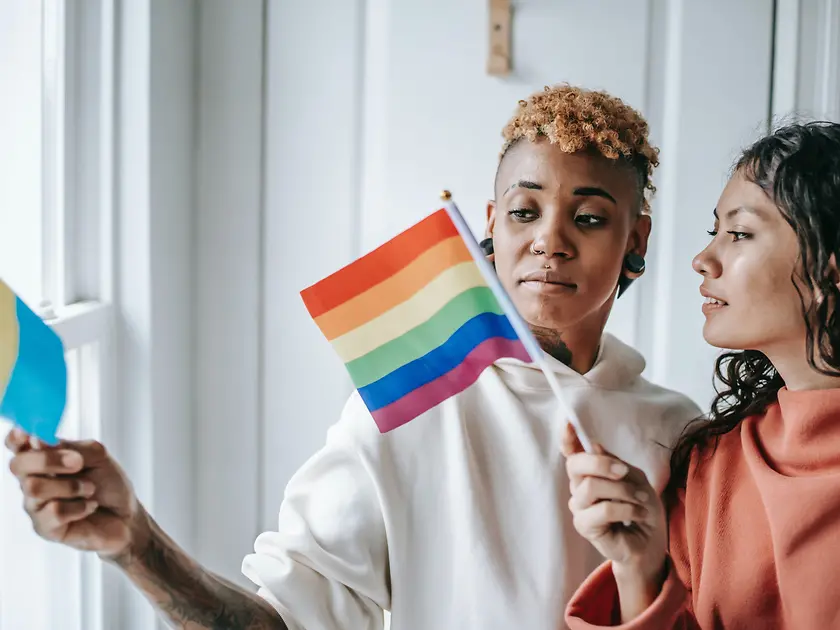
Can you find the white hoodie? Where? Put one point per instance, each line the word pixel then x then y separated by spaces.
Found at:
pixel 458 519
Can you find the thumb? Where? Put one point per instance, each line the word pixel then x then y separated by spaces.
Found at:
pixel 571 442
pixel 93 453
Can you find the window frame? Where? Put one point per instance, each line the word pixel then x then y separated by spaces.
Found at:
pixel 78 233
pixel 79 174
pixel 806 69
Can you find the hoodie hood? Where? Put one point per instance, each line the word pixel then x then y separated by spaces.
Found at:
pixel 616 367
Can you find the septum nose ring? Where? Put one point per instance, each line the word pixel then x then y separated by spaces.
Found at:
pixel 537 252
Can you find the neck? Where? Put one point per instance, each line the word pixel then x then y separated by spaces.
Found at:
pixel 792 365
pixel 575 346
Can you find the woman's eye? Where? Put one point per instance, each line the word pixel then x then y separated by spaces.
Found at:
pixel 523 214
pixel 589 220
pixel 738 236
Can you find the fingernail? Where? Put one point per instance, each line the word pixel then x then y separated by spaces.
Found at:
pixel 71 459
pixel 92 507
pixel 86 489
pixel 619 470
pixel 35 443
pixel 642 496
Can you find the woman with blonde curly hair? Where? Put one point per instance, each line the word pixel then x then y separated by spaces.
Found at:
pixel 458 518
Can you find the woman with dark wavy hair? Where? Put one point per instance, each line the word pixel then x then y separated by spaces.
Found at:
pixel 753 507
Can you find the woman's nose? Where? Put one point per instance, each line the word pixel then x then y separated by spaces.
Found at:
pixel 552 239
pixel 706 263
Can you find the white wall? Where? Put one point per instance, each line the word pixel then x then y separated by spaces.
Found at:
pixel 710 96
pixel 431 118
pixel 154 273
pixel 807 71
pixel 313 115
pixel 228 288
pixel 326 127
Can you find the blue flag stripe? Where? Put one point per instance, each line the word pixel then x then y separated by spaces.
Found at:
pixel 437 362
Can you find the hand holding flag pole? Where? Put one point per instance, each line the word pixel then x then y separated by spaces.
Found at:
pixel 525 335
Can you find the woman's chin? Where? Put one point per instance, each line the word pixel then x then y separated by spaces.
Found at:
pixel 724 340
pixel 538 322
pixel 560 314
pixel 539 313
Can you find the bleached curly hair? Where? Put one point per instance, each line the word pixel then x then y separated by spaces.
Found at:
pixel 576 119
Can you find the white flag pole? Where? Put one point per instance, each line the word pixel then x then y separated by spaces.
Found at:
pixel 523 332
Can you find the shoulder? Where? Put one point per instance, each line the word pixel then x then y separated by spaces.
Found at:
pixel 666 411
pixel 355 424
pixel 701 461
pixel 673 403
pixel 625 366
pixel 357 430
pixel 714 453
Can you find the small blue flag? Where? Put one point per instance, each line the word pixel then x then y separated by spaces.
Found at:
pixel 33 371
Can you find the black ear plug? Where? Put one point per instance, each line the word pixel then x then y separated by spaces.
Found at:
pixel 633 263
pixel 486 246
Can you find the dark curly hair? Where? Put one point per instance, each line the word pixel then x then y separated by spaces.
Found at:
pixel 798 168
pixel 576 119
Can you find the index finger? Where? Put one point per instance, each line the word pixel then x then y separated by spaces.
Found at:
pixel 581 465
pixel 46 462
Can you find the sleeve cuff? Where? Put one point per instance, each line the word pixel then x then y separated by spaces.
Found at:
pixel 596 605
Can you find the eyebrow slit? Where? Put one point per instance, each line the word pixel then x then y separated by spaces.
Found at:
pixel 524 183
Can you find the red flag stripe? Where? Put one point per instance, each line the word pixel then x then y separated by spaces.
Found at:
pixel 378 265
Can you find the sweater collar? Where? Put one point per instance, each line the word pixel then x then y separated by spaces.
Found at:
pixel 801 433
pixel 617 366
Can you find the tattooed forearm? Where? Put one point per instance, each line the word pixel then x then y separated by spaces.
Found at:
pixel 189 596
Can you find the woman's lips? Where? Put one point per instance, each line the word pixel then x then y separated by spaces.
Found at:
pixel 547 281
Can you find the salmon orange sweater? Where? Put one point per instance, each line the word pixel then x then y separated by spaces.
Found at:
pixel 755 536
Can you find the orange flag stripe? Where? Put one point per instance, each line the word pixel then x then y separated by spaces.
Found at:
pixel 379 265
pixel 394 290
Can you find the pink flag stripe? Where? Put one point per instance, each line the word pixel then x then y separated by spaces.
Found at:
pixel 453 382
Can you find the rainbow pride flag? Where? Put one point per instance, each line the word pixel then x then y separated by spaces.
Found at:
pixel 416 320
pixel 33 372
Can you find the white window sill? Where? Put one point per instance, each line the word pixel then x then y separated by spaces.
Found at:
pixel 82 323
